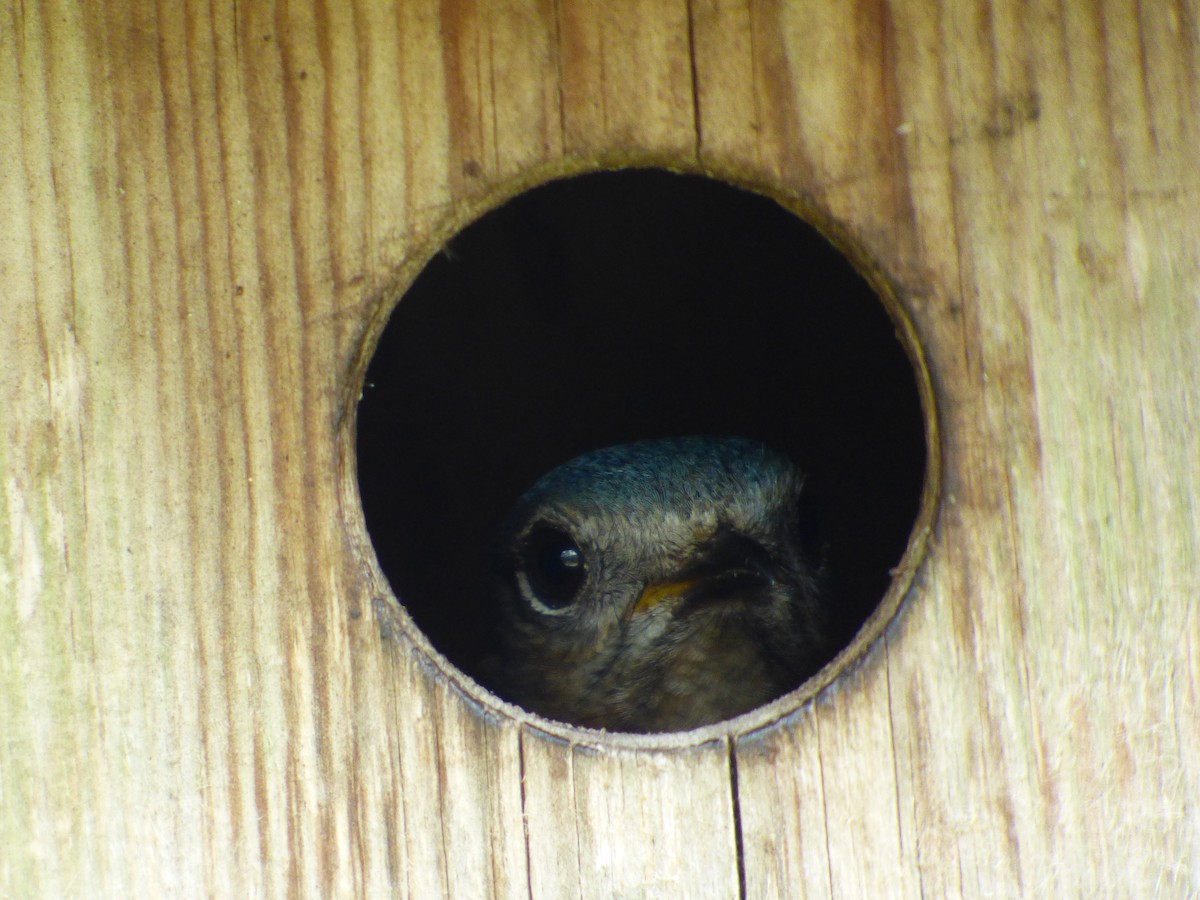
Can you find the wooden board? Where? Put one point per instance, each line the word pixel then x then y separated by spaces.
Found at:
pixel 205 209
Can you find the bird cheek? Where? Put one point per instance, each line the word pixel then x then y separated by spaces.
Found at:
pixel 607 617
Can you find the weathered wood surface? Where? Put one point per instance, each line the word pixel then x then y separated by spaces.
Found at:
pixel 201 205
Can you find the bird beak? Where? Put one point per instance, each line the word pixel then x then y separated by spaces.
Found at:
pixel 734 567
pixel 656 594
pixel 715 584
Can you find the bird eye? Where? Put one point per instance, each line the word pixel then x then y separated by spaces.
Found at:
pixel 554 566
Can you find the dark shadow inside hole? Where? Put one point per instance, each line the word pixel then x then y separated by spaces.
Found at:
pixel 614 307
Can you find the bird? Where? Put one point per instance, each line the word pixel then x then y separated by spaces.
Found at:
pixel 658 586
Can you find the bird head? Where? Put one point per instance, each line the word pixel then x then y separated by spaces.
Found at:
pixel 657 586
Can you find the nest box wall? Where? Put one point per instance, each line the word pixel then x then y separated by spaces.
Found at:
pixel 207 212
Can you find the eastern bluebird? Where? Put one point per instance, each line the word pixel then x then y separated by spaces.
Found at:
pixel 658 586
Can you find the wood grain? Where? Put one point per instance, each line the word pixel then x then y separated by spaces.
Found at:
pixel 623 823
pixel 205 211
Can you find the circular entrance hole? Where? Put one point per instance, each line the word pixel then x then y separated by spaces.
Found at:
pixel 616 307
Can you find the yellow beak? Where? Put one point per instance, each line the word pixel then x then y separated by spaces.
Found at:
pixel 655 594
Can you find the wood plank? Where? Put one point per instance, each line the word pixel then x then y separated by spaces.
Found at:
pixel 616 823
pixel 205 207
pixel 812 812
pixel 448 785
pixel 1016 662
pixel 781 800
pixel 626 79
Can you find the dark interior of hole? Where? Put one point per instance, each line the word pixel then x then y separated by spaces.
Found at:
pixel 614 307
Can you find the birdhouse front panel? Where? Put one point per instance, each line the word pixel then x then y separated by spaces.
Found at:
pixel 211 685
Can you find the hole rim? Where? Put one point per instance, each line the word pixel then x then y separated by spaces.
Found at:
pixel 392 617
